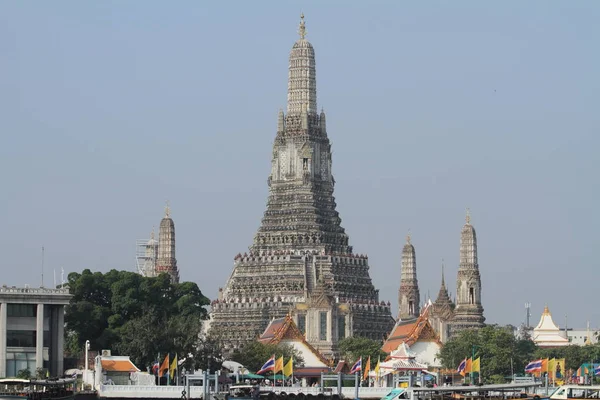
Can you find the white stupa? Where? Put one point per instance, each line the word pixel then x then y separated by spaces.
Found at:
pixel 547 333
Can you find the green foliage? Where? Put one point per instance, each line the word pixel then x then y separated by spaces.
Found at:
pixel 134 315
pixel 574 355
pixel 501 353
pixel 24 374
pixel 352 348
pixel 255 354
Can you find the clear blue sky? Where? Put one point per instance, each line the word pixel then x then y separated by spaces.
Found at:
pixel 110 108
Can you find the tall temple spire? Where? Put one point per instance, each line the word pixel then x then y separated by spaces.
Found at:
pixel 469 311
pixel 166 261
pixel 408 294
pixel 302 82
pixel 301 262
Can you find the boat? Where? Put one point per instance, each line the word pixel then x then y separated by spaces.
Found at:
pixel 567 392
pixel 37 389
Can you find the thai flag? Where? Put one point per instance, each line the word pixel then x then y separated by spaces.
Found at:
pixel 462 366
pixel 357 366
pixel 534 366
pixel 268 366
pixel 597 370
pixel 155 367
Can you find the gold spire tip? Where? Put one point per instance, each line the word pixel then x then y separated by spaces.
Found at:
pixel 302 28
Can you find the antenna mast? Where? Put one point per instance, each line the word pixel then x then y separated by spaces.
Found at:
pixel 42 266
pixel 528 313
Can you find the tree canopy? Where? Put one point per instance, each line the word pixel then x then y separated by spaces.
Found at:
pixel 134 315
pixel 352 348
pixel 254 354
pixel 500 352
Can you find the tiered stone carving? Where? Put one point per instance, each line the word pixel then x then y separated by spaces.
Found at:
pixel 301 262
pixel 469 311
pixel 166 261
pixel 408 295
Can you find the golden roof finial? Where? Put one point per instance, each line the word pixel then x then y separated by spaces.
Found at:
pixel 468 217
pixel 167 210
pixel 302 28
pixel 546 310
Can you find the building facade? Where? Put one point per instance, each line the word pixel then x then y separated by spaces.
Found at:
pixel 301 263
pixel 166 261
pixel 32 330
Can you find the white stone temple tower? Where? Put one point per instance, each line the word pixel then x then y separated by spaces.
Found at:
pixel 469 311
pixel 408 294
pixel 166 261
pixel 300 263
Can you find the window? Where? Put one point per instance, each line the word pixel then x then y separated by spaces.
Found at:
pixel 341 327
pixel 305 164
pixel 302 323
pixel 411 307
pixel 323 325
pixel 20 338
pixel 21 310
pixel 471 295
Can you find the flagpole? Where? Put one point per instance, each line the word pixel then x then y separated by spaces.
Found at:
pixel 292 383
pixel 158 370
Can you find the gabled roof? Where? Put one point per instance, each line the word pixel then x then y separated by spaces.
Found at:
pixel 410 331
pixel 285 328
pixel 118 364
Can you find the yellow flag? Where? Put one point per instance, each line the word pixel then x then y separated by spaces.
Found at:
pixel 377 368
pixel 173 366
pixel 551 367
pixel 278 365
pixel 288 369
pixel 367 368
pixel 475 365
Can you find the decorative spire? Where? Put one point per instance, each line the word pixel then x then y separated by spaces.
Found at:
pixel 302 83
pixel 152 234
pixel 302 27
pixel 546 310
pixel 468 216
pixel 167 210
pixel 443 278
pixel 408 237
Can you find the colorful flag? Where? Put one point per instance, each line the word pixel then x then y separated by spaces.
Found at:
pixel 469 367
pixel 288 369
pixel 173 367
pixel 534 366
pixel 377 368
pixel 559 368
pixel 476 365
pixel 164 367
pixel 278 365
pixel 357 366
pixel 550 368
pixel 597 370
pixel 268 366
pixel 461 367
pixel 367 369
pixel 155 367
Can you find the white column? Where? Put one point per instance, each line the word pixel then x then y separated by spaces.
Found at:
pixel 60 340
pixel 3 307
pixel 39 337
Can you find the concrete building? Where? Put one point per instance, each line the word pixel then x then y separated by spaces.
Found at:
pixel 32 324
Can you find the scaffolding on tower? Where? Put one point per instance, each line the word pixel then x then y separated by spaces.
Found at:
pixel 145 256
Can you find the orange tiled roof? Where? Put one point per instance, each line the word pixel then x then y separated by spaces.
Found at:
pixel 410 331
pixel 119 366
pixel 285 327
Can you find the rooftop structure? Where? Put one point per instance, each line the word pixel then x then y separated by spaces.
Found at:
pixel 547 333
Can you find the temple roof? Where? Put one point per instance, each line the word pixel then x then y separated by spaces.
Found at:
pixel 285 328
pixel 118 364
pixel 547 333
pixel 410 331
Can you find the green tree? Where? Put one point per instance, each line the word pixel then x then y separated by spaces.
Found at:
pixel 134 315
pixel 352 348
pixel 501 354
pixel 254 354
